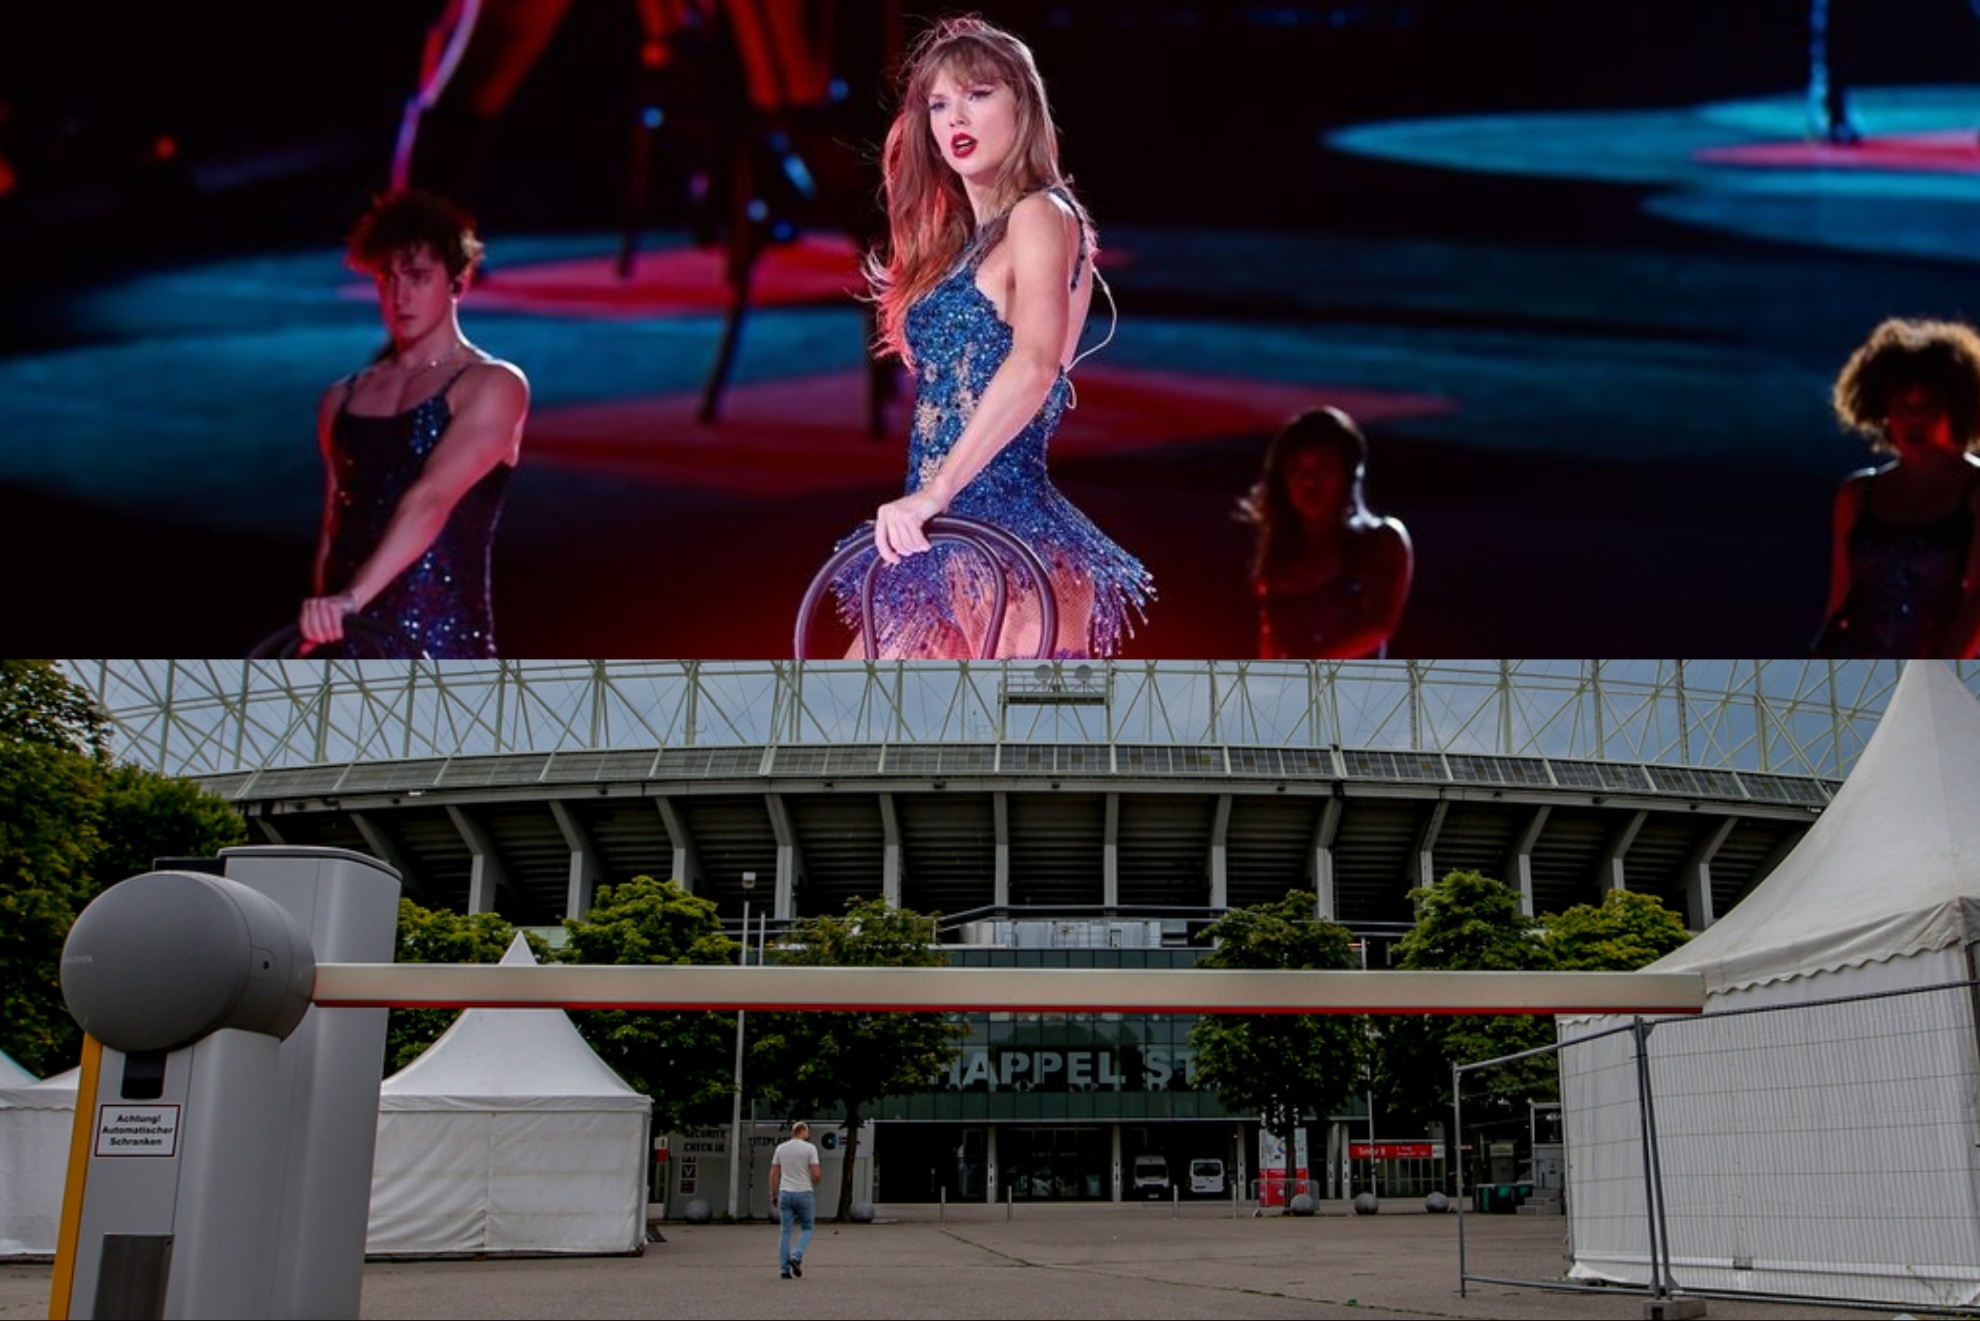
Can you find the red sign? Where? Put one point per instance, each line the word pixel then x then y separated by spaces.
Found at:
pixel 1392 1150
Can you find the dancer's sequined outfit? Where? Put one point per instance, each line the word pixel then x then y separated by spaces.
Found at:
pixel 439 607
pixel 1905 583
pixel 933 604
pixel 1308 625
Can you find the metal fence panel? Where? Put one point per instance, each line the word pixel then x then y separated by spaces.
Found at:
pixel 1607 1194
pixel 1823 1152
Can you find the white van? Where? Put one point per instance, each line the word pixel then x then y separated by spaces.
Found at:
pixel 1151 1176
pixel 1206 1178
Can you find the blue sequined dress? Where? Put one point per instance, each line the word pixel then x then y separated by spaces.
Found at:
pixel 440 606
pixel 934 604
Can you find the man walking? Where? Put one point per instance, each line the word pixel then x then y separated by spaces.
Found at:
pixel 794 1171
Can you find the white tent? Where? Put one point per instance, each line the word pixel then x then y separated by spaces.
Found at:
pixel 509 1134
pixel 1828 1151
pixel 12 1074
pixel 37 1123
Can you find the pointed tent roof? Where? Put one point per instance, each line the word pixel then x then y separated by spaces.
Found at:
pixel 56 1093
pixel 1891 868
pixel 12 1074
pixel 509 1059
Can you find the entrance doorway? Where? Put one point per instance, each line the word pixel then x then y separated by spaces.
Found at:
pixel 1059 1164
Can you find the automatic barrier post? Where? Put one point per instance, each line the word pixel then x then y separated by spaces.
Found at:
pixel 221 1163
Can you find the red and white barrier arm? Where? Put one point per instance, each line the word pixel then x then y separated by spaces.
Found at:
pixel 1029 990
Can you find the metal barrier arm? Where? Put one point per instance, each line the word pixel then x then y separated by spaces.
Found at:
pixel 1066 990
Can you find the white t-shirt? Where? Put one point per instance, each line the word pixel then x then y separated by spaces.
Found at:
pixel 794 1160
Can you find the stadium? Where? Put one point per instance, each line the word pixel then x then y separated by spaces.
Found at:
pixel 1054 814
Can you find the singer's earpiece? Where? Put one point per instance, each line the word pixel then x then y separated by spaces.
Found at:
pixel 460 286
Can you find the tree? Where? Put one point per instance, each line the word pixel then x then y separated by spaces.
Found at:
pixel 430 936
pixel 1470 922
pixel 50 807
pixel 41 705
pixel 684 1061
pixel 1286 1067
pixel 819 1062
pixel 1467 922
pixel 147 816
pixel 1624 932
pixel 71 823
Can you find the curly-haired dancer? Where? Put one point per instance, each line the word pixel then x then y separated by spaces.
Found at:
pixel 1905 562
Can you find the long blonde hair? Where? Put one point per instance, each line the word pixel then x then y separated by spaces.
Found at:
pixel 929 217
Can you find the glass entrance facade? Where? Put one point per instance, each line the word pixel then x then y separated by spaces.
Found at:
pixel 1048 1069
pixel 1053 1162
pixel 1077 1107
pixel 1073 1163
pixel 1054 1107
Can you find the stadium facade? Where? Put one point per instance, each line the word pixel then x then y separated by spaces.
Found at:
pixel 1054 814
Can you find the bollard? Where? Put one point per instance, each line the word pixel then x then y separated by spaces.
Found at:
pixel 1010 1202
pixel 1175 1201
pixel 942 1206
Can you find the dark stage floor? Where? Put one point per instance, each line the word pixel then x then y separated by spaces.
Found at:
pixel 1591 349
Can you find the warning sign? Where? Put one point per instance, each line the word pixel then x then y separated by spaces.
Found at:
pixel 137 1130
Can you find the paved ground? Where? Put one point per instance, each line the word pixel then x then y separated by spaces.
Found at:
pixel 1129 1261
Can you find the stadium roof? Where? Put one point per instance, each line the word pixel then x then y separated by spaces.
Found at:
pixel 1784 716
pixel 960 828
pixel 973 787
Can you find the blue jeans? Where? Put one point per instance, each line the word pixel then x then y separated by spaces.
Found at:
pixel 799 1207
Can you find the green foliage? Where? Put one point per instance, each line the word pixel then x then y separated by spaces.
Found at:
pixel 430 936
pixel 50 807
pixel 684 1061
pixel 1467 922
pixel 811 1063
pixel 148 816
pixel 648 921
pixel 72 822
pixel 1470 922
pixel 39 704
pixel 1286 1067
pixel 1624 932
